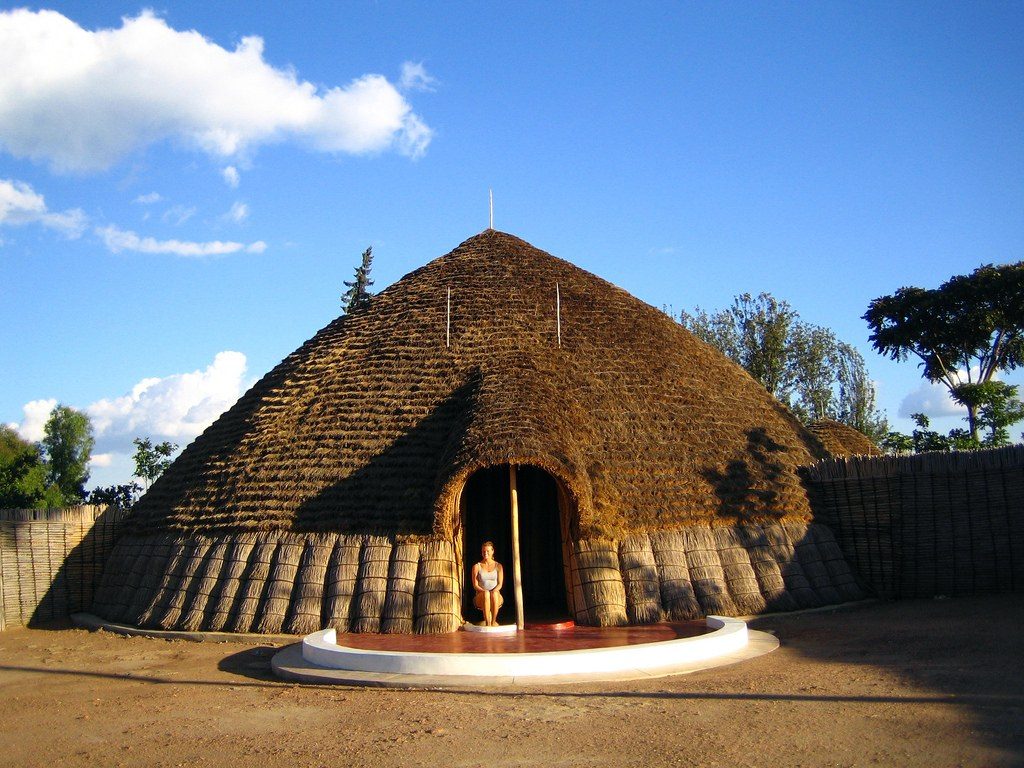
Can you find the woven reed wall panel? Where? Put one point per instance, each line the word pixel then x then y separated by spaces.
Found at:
pixel 309 585
pixel 340 587
pixel 640 580
pixel 399 603
pixel 677 595
pixel 602 594
pixel 272 582
pixel 438 597
pixel 925 525
pixel 51 561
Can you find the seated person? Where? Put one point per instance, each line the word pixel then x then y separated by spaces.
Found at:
pixel 488 576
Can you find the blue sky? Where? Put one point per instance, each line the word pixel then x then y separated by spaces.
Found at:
pixel 828 153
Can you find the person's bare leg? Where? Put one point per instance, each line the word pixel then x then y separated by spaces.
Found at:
pixel 498 602
pixel 495 604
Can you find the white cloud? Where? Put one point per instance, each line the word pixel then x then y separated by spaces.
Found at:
pixel 932 400
pixel 117 240
pixel 37 412
pixel 239 212
pixel 101 460
pixel 175 408
pixel 231 177
pixel 20 204
pixel 415 78
pixel 178 214
pixel 81 100
pixel 149 199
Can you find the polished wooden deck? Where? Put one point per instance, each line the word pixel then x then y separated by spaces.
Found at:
pixel 527 641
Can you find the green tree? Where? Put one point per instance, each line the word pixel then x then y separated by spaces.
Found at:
pixel 358 294
pixel 963 332
pixel 23 474
pixel 67 445
pixel 997 408
pixel 803 365
pixel 151 460
pixel 123 496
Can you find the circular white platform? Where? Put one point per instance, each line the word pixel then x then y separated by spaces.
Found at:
pixel 320 659
pixel 501 629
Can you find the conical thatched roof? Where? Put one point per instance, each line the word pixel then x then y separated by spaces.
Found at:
pixel 373 424
pixel 843 440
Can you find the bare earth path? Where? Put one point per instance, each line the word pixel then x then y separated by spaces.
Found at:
pixel 916 683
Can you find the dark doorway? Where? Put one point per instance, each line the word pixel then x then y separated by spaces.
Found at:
pixel 486 510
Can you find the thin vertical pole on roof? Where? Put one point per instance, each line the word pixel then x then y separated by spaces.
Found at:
pixel 448 321
pixel 517 571
pixel 558 312
pixel 490 198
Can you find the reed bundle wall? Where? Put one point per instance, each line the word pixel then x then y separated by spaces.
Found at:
pixel 927 525
pixel 276 582
pixel 51 560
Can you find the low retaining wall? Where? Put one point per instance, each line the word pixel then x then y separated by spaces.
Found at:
pixel 276 582
pixel 51 560
pixel 930 524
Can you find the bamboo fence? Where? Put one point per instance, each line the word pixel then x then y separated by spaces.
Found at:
pixel 51 560
pixel 930 524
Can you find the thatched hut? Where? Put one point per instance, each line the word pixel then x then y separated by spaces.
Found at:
pixel 353 484
pixel 843 440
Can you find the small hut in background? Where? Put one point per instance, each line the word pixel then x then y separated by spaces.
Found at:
pixel 843 440
pixel 353 485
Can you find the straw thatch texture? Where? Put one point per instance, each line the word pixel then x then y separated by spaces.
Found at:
pixel 640 580
pixel 225 595
pixel 401 593
pixel 930 524
pixel 602 596
pixel 706 573
pixel 740 578
pixel 373 584
pixel 767 570
pixel 372 426
pixel 277 600
pixel 188 567
pixel 342 573
pixel 198 607
pixel 254 582
pixel 295 583
pixel 438 598
pixel 307 614
pixel 674 576
pixel 157 552
pixel 843 440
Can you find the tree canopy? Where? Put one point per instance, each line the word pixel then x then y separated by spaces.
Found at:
pixel 151 460
pixel 803 365
pixel 23 474
pixel 358 293
pixel 963 332
pixel 67 444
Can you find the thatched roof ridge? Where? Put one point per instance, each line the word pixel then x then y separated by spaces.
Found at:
pixel 373 424
pixel 843 440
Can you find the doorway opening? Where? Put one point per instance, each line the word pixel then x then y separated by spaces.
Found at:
pixel 485 508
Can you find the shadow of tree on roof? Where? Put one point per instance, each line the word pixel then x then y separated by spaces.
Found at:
pixel 395 488
pixel 746 489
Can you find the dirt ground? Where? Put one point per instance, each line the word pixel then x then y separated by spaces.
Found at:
pixel 914 683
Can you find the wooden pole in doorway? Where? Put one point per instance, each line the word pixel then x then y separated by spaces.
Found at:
pixel 517 571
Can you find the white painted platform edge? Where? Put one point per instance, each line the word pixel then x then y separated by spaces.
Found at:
pixel 728 636
pixel 501 629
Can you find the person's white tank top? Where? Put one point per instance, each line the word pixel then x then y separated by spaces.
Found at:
pixel 489 580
